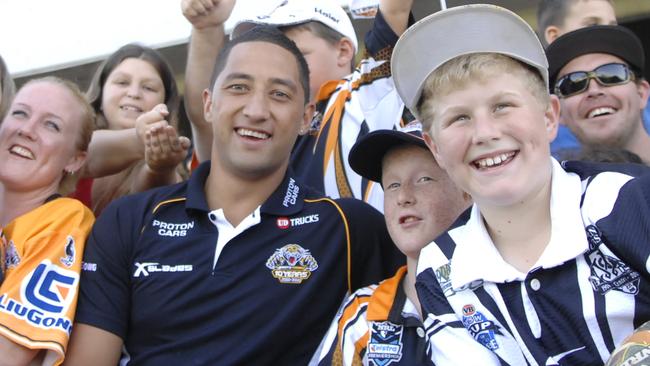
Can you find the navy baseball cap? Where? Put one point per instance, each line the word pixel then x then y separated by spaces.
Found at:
pixel 367 154
pixel 611 39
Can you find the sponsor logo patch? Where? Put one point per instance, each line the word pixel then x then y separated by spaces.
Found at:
pixel 147 268
pixel 607 272
pixel 46 295
pixel 292 264
pixel 285 222
pixel 291 196
pixel 385 343
pixel 70 251
pixel 89 267
pixel 172 229
pixel 482 329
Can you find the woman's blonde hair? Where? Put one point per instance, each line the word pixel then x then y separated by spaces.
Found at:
pixel 456 73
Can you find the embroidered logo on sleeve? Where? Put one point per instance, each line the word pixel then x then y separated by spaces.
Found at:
pixel 292 264
pixel 385 343
pixel 70 251
pixel 607 272
pixel 12 259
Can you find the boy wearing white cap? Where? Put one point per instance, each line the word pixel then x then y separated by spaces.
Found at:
pixel 381 324
pixel 550 267
pixel 347 105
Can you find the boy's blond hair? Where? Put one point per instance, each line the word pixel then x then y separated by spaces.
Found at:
pixel 458 72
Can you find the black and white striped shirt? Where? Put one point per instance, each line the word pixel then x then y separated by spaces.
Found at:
pixel 587 292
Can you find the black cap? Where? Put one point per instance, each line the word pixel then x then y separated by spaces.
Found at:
pixel 368 153
pixel 612 39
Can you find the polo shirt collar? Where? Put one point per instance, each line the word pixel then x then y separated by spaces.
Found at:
pixel 287 199
pixel 476 258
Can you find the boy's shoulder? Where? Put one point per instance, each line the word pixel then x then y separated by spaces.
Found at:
pixel 586 169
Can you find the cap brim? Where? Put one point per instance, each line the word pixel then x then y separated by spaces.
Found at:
pixel 611 39
pixel 367 154
pixel 458 31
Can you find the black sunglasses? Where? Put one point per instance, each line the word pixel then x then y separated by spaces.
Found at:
pixel 606 75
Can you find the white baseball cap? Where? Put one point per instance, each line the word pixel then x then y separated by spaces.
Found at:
pixel 458 31
pixel 294 12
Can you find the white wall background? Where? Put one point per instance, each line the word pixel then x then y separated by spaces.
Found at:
pixel 43 35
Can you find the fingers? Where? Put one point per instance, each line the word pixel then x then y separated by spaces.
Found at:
pixel 146 120
pixel 164 149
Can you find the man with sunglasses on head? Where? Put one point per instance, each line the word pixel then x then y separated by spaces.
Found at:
pixel 598 74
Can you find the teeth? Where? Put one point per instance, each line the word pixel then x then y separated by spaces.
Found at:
pixel 130 108
pixel 21 151
pixel 601 111
pixel 408 219
pixel 250 133
pixel 496 160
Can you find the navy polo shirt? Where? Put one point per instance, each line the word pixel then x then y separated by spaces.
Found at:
pixel 149 274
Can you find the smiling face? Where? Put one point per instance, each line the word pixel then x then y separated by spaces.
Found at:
pixel 257 110
pixel 420 201
pixel 603 115
pixel 39 138
pixel 132 88
pixel 492 134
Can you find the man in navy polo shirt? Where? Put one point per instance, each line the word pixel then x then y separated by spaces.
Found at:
pixel 242 264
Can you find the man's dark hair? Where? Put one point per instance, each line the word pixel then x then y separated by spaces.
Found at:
pixel 269 34
pixel 552 12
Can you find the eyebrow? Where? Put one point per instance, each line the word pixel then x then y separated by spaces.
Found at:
pixel 281 81
pixel 48 114
pixel 130 75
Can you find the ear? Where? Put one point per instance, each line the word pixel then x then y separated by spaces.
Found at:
pixel 433 147
pixel 552 117
pixel 345 52
pixel 76 162
pixel 207 104
pixel 551 33
pixel 643 89
pixel 307 117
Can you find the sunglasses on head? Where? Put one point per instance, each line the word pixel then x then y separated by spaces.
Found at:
pixel 606 75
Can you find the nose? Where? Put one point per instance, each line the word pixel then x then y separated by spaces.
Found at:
pixel 27 129
pixel 257 107
pixel 134 91
pixel 406 196
pixel 594 88
pixel 485 129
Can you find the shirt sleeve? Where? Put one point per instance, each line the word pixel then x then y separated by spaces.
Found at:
pixel 346 338
pixel 104 300
pixel 627 226
pixel 381 39
pixel 38 296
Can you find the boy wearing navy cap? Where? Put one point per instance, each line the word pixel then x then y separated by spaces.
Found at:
pixel 598 74
pixel 550 267
pixel 381 324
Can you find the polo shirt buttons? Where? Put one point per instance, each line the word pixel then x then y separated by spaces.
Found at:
pixel 535 284
pixel 212 217
pixel 420 332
